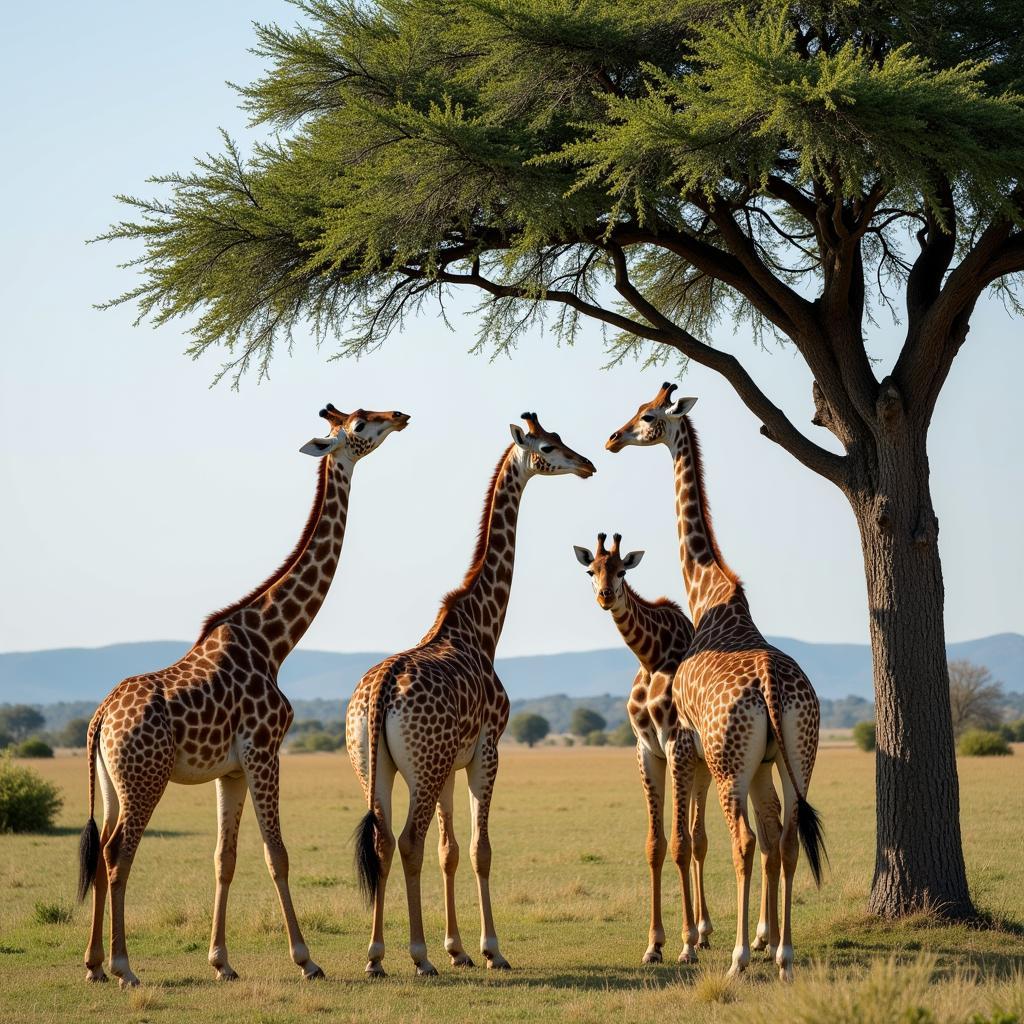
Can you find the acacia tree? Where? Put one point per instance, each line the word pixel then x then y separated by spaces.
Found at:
pixel 657 167
pixel 975 697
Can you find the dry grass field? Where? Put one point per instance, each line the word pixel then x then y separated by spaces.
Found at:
pixel 570 889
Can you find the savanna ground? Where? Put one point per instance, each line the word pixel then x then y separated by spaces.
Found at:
pixel 570 890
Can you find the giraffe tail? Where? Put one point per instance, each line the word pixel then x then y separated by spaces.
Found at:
pixel 808 820
pixel 89 843
pixel 368 867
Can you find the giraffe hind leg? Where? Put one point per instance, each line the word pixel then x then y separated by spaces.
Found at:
pixel 231 790
pixel 448 855
pixel 111 809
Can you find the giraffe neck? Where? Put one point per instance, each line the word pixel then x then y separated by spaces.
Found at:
pixel 281 609
pixel 658 634
pixel 708 580
pixel 478 607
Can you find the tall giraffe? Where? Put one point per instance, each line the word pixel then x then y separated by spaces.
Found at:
pixel 659 634
pixel 440 707
pixel 750 703
pixel 218 715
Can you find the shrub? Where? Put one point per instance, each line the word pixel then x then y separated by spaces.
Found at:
pixel 622 735
pixel 982 743
pixel 52 913
pixel 28 803
pixel 584 721
pixel 528 728
pixel 74 734
pixel 313 742
pixel 34 747
pixel 864 735
pixel 596 738
pixel 1013 732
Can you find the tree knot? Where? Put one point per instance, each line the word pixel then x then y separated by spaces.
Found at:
pixel 883 513
pixel 927 531
pixel 889 404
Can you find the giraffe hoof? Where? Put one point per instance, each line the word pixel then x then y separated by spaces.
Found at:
pixel 652 956
pixel 786 974
pixel 95 974
pixel 128 981
pixel 462 960
pixel 758 944
pixel 426 970
pixel 703 942
pixel 311 972
pixel 375 969
pixel 226 974
pixel 496 962
pixel 687 957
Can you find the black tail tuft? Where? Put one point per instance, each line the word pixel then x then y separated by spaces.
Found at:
pixel 367 861
pixel 812 837
pixel 88 858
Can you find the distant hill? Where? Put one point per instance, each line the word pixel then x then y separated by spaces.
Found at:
pixel 87 674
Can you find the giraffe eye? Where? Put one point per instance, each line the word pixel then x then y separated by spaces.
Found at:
pixel 647 418
pixel 590 572
pixel 622 572
pixel 545 448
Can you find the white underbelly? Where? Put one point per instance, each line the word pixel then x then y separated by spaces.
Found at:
pixel 187 773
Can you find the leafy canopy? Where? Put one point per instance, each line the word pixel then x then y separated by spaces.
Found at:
pixel 701 161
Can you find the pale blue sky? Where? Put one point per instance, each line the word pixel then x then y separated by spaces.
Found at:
pixel 136 499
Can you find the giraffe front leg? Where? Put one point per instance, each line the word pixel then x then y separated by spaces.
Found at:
pixel 682 783
pixel 482 772
pixel 262 773
pixel 734 805
pixel 652 776
pixel 231 790
pixel 448 855
pixel 699 845
pixel 769 831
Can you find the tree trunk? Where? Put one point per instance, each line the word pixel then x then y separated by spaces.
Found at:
pixel 918 855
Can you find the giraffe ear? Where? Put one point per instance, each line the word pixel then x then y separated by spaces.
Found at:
pixel 632 560
pixel 319 446
pixel 518 436
pixel 583 555
pixel 681 407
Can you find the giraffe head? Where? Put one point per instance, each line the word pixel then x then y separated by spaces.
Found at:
pixel 653 422
pixel 546 453
pixel 607 568
pixel 354 434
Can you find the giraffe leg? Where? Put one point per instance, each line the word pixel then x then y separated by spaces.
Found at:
pixel 231 790
pixel 769 831
pixel 682 782
pixel 790 849
pixel 410 846
pixel 652 775
pixel 482 771
pixel 119 854
pixel 262 773
pixel 448 855
pixel 111 810
pixel 385 853
pixel 699 845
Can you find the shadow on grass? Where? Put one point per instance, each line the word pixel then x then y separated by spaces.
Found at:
pixel 151 833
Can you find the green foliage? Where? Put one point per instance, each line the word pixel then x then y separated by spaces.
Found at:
pixel 864 735
pixel 503 146
pixel 584 721
pixel 622 735
pixel 315 742
pixel 28 803
pixel 1013 732
pixel 33 747
pixel 52 913
pixel 20 721
pixel 982 743
pixel 529 729
pixel 74 734
pixel 596 738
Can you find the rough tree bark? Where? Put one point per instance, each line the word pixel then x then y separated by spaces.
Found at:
pixel 919 860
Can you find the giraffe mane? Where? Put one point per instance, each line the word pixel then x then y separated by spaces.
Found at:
pixel 658 602
pixel 705 511
pixel 217 618
pixel 476 563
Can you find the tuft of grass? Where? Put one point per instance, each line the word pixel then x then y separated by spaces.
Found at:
pixel 591 858
pixel 318 881
pixel 714 987
pixel 52 913
pixel 143 998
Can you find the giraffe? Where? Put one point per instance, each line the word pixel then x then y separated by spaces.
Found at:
pixel 659 634
pixel 440 707
pixel 750 704
pixel 218 715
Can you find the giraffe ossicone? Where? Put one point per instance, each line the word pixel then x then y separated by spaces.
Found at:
pixel 217 715
pixel 749 703
pixel 439 708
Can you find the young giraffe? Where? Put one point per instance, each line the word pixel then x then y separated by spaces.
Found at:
pixel 751 704
pixel 659 634
pixel 440 707
pixel 218 714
